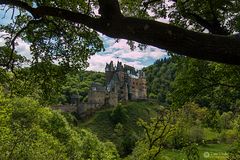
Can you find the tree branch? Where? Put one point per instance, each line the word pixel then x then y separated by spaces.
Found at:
pixel 225 49
pixel 109 9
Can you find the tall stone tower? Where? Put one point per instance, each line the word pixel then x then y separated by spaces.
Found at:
pixel 109 71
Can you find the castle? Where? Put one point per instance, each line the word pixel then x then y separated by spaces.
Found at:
pixel 126 82
pixel 123 83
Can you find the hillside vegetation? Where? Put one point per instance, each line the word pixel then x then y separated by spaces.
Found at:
pixel 124 126
pixel 193 108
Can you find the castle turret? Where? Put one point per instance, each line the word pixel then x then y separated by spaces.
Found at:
pixel 119 66
pixel 109 71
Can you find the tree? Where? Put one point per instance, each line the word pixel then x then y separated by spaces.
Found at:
pixel 31 131
pixel 206 83
pixel 66 31
pixel 157 132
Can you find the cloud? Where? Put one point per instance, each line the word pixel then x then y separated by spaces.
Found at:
pixel 2 41
pixel 120 51
pixel 114 52
pixel 98 62
pixel 22 47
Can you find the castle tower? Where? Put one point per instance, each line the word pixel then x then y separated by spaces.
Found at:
pixel 109 71
pixel 119 66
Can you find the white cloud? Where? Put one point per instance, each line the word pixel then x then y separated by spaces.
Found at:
pixel 22 47
pixel 2 42
pixel 114 52
pixel 98 62
pixel 121 52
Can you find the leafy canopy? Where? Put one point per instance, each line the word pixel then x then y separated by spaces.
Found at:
pixel 65 32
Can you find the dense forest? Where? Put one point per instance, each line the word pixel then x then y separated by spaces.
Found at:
pixel 192 108
pixel 179 80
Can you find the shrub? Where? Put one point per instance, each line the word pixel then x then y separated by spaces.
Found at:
pixel 192 152
pixel 234 151
pixel 196 134
pixel 119 115
pixel 229 136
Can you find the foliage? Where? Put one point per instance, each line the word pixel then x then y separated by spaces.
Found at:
pixel 41 81
pixel 159 77
pixel 125 139
pixel 78 84
pixel 30 131
pixel 192 152
pixel 188 126
pixel 206 83
pixel 184 13
pixel 229 136
pixel 157 131
pixel 53 39
pixel 234 151
pixel 48 83
pixel 124 135
pixel 119 115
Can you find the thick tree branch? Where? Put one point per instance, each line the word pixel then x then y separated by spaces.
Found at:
pixel 213 26
pixel 225 49
pixel 109 9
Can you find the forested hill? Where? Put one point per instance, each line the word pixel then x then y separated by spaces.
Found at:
pixel 179 80
pixel 159 76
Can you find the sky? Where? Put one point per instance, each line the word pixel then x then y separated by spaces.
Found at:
pixel 120 51
pixel 114 51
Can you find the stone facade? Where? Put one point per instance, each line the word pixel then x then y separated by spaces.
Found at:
pixel 98 97
pixel 126 82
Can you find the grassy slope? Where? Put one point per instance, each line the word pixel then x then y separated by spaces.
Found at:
pixel 101 123
pixel 215 152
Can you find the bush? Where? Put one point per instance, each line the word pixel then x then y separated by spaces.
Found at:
pixel 126 140
pixel 119 115
pixel 229 136
pixel 226 120
pixel 192 152
pixel 196 134
pixel 210 136
pixel 179 139
pixel 234 151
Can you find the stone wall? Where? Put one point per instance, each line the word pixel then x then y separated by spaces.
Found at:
pixel 113 99
pixel 96 101
pixel 97 97
pixel 65 108
pixel 85 109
